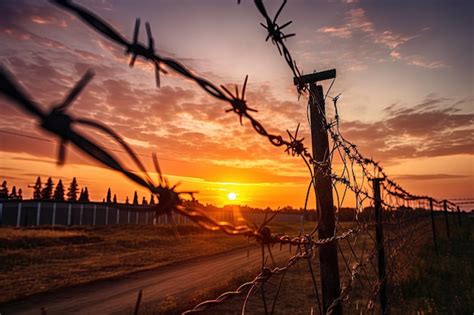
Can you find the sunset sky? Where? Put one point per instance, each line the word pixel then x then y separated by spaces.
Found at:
pixel 404 68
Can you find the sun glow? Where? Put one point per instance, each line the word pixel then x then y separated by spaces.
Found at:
pixel 231 196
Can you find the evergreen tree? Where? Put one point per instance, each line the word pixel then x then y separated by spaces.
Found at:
pixel 20 194
pixel 47 191
pixel 127 201
pixel 81 195
pixel 4 190
pixel 115 198
pixel 86 195
pixel 59 192
pixel 13 194
pixel 144 201
pixel 37 189
pixel 152 200
pixel 135 198
pixel 72 190
pixel 109 196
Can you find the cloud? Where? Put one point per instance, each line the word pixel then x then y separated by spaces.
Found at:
pixel 16 13
pixel 428 176
pixel 167 120
pixel 356 25
pixel 418 60
pixel 341 32
pixel 434 127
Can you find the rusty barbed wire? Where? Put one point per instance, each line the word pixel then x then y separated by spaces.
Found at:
pixel 278 39
pixel 58 122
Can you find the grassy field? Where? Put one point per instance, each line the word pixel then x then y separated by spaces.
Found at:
pixel 443 283
pixel 38 260
pixel 297 294
pixel 436 284
pixel 35 260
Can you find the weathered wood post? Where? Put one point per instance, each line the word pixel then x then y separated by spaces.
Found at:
pixel 328 259
pixel 433 225
pixel 38 213
pixel 445 205
pixel 380 244
pixel 459 215
pixel 18 215
pixel 138 302
pixel 69 214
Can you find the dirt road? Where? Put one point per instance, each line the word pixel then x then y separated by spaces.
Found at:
pixel 118 296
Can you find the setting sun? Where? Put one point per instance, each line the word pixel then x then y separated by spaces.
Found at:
pixel 231 196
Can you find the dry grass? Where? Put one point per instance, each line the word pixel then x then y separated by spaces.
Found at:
pixel 297 294
pixel 435 284
pixel 38 260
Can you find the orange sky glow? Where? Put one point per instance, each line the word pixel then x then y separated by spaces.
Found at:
pixel 407 97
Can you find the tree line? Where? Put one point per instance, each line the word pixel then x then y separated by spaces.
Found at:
pixel 49 191
pixel 110 199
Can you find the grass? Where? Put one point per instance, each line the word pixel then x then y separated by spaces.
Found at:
pixel 434 284
pixel 444 283
pixel 39 259
pixel 297 295
pixel 36 260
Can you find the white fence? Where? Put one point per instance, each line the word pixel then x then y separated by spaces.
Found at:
pixel 35 213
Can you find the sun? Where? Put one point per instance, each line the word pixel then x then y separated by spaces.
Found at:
pixel 231 196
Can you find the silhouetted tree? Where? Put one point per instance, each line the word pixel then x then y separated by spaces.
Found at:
pixel 4 190
pixel 109 196
pixel 115 199
pixel 72 190
pixel 47 191
pixel 13 194
pixel 37 189
pixel 144 201
pixel 59 192
pixel 20 194
pixel 86 195
pixel 103 200
pixel 126 200
pixel 152 200
pixel 135 198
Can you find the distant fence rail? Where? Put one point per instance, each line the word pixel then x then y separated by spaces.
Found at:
pixel 27 213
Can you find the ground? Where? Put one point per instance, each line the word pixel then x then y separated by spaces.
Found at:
pixel 39 260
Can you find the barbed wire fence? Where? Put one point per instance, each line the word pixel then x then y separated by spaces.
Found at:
pixel 388 224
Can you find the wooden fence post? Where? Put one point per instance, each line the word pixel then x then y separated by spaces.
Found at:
pixel 18 215
pixel 459 215
pixel 433 225
pixel 81 213
pixel 137 304
pixel 53 219
pixel 445 205
pixel 38 213
pixel 69 214
pixel 106 215
pixel 328 259
pixel 380 244
pixel 94 215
